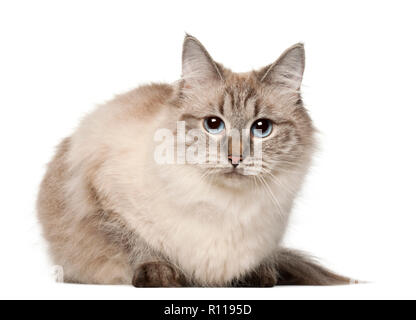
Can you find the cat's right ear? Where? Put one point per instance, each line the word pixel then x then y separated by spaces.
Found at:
pixel 197 65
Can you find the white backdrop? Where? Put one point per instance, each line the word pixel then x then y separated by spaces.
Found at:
pixel 357 211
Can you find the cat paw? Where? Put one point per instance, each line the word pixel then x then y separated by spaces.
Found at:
pixel 262 277
pixel 157 275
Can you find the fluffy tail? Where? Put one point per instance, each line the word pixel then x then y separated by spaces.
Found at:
pixel 297 268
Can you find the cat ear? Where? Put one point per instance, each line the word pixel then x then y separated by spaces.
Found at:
pixel 197 64
pixel 287 70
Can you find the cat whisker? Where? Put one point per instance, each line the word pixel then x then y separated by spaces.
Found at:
pixel 273 198
pixel 279 182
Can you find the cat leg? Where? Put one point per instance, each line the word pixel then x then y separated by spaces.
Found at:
pixel 158 274
pixel 150 268
pixel 263 276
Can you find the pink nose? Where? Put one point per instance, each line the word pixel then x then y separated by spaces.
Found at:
pixel 235 159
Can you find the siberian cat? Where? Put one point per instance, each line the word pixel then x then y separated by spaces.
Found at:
pixel 153 190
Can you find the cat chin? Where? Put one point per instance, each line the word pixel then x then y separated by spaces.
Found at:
pixel 233 175
pixel 232 179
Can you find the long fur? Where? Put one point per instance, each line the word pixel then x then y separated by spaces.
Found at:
pixel 298 268
pixel 113 215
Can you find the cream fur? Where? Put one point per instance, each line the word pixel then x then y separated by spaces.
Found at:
pixel 212 232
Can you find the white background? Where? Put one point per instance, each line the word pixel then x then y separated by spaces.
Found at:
pixel 58 59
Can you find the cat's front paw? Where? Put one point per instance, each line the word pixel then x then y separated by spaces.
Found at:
pixel 157 275
pixel 262 277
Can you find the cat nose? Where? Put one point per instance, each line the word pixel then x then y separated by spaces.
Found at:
pixel 235 160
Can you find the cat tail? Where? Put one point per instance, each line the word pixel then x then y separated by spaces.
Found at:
pixel 297 268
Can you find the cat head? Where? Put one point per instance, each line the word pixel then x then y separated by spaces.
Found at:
pixel 243 125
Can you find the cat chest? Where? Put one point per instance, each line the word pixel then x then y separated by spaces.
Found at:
pixel 216 249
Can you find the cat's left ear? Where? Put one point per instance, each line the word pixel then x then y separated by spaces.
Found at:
pixel 197 64
pixel 287 70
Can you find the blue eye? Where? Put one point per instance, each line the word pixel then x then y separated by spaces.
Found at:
pixel 214 125
pixel 261 128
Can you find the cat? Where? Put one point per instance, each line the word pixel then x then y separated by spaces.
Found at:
pixel 117 208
